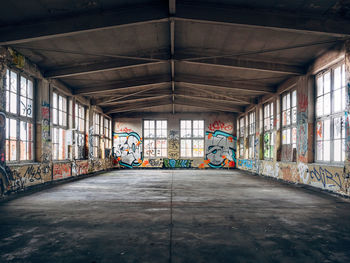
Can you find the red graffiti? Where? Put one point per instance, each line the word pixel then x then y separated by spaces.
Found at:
pixel 302 102
pixel 45 112
pixel 219 125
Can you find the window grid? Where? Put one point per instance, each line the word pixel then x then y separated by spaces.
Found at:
pixel 96 135
pixel 289 119
pixel 19 117
pixel 155 134
pixel 59 127
pixel 268 131
pixel 192 138
pixel 80 131
pixel 330 121
pixel 251 134
pixel 241 137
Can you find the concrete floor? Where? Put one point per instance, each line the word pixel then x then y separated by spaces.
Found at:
pixel 175 216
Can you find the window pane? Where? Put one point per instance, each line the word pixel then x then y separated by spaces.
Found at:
pixel 13 129
pixel 319 82
pixel 294 98
pixel 23 106
pixel 337 128
pixel 319 130
pixel 23 88
pixel 319 106
pixel 327 82
pixel 30 89
pixel 327 130
pixel 13 102
pixel 337 78
pixel 319 151
pixel 13 85
pixel 337 150
pixel 326 150
pixel 337 101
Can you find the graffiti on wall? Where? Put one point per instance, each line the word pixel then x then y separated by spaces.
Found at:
pixel 91 143
pixel 173 144
pixel 303 172
pixel 220 149
pixel 177 163
pixel 127 149
pixel 80 167
pixel 302 129
pixel 219 125
pixel 270 169
pixel 326 177
pixel 61 171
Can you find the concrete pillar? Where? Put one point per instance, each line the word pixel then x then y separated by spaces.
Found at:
pixel 277 126
pixel 305 119
pixel 347 110
pixel 3 62
pixel 91 132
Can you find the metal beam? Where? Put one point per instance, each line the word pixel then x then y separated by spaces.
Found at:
pixel 138 107
pixel 274 19
pixel 225 84
pixel 96 67
pixel 237 99
pixel 210 103
pixel 239 63
pixel 132 101
pixel 74 24
pixel 222 101
pixel 123 85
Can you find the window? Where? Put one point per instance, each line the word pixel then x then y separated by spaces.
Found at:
pixel 107 133
pixel 59 127
pixel 289 119
pixel 268 131
pixel 330 123
pixel 96 135
pixel 19 121
pixel 155 134
pixel 192 138
pixel 251 134
pixel 241 137
pixel 80 131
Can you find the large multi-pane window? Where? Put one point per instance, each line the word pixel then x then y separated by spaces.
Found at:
pixel 155 138
pixel 241 137
pixel 107 133
pixel 192 138
pixel 96 136
pixel 289 119
pixel 268 131
pixel 19 121
pixel 251 134
pixel 330 106
pixel 59 127
pixel 79 131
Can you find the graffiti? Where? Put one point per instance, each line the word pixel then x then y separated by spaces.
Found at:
pixel 179 163
pixel 245 164
pixel 155 162
pixel 61 171
pixel 221 149
pixel 91 143
pixel 45 114
pixel 326 177
pixel 120 129
pixel 302 139
pixel 219 125
pixel 173 144
pixel 256 146
pixel 302 102
pixel 303 172
pixel 271 170
pixel 80 167
pixel 127 149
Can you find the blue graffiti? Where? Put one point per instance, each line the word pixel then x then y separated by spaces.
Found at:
pixel 221 149
pixel 247 164
pixel 172 163
pixel 127 149
pixel 324 176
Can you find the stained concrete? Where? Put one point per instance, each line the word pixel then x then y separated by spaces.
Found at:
pixel 175 216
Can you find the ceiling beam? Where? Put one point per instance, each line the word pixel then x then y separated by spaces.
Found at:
pixel 133 101
pixel 123 85
pixel 239 63
pixel 91 68
pixel 199 91
pixel 142 106
pixel 225 84
pixel 206 106
pixel 70 25
pixel 274 19
pixel 206 99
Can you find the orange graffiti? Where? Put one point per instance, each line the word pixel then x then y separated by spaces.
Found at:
pixel 210 135
pixel 232 164
pixel 230 139
pixel 206 161
pixel 201 166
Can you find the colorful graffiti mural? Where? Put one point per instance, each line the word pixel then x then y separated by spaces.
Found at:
pixel 61 171
pixel 127 149
pixel 220 149
pixel 179 163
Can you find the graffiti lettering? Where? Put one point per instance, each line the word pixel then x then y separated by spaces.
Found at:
pixel 127 149
pixel 179 163
pixel 326 177
pixel 219 125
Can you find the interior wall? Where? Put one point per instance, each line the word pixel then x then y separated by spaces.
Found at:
pixel 219 142
pixel 300 167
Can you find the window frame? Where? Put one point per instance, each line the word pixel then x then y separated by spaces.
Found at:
pixel 293 122
pixel 155 138
pixel 332 115
pixel 80 130
pixel 18 117
pixel 251 134
pixel 57 128
pixel 270 131
pixel 192 138
pixel 241 136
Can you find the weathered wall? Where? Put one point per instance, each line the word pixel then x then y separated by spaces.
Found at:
pixel 219 144
pixel 19 176
pixel 303 169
